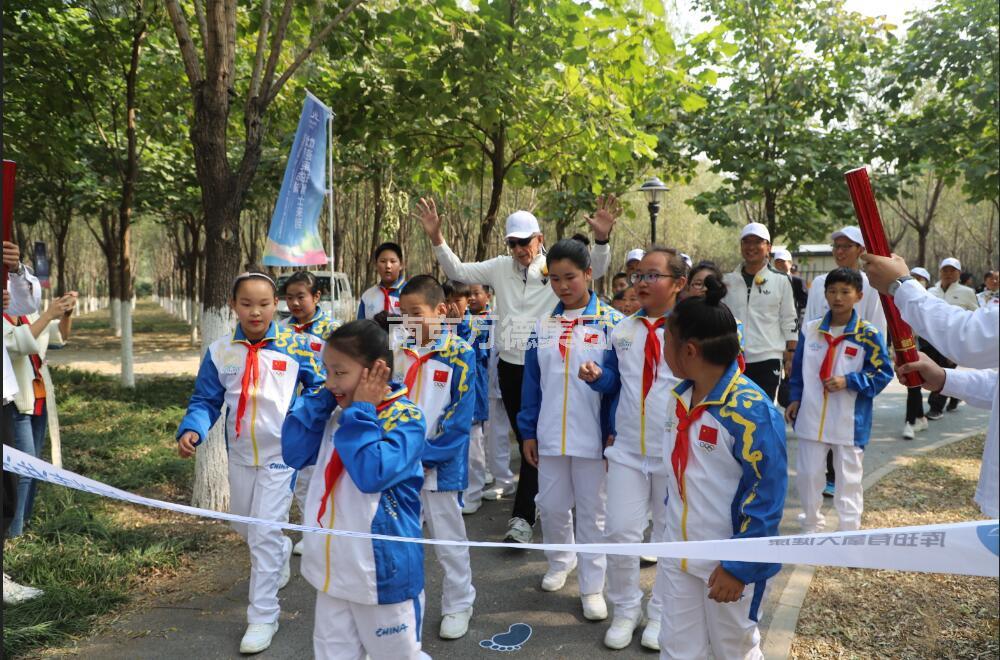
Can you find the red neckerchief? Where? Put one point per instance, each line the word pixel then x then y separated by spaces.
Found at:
pixel 651 364
pixel 336 465
pixel 682 443
pixel 418 362
pixel 567 326
pixel 385 297
pixel 251 376
pixel 826 368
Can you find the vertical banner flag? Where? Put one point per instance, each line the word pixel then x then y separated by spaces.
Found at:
pixel 42 270
pixel 293 239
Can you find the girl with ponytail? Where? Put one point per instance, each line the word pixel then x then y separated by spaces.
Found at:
pixel 727 478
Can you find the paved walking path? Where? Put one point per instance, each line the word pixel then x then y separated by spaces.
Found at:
pixel 209 625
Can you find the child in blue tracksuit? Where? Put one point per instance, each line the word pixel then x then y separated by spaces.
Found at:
pixel 474 329
pixel 840 364
pixel 564 423
pixel 439 368
pixel 302 295
pixel 727 478
pixel 369 596
pixel 384 296
pixel 256 373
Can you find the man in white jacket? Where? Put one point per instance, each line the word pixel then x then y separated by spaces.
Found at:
pixel 761 297
pixel 969 338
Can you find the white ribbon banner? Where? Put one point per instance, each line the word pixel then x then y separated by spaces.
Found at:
pixel 969 548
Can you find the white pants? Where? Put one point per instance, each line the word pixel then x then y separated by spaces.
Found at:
pixel 634 492
pixel 442 511
pixel 477 465
pixel 848 495
pixel 349 631
pixel 262 492
pixel 302 478
pixel 497 430
pixel 692 623
pixel 565 482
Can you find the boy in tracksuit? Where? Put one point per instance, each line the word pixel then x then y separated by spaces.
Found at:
pixel 384 296
pixel 439 370
pixel 840 364
pixel 474 328
pixel 367 440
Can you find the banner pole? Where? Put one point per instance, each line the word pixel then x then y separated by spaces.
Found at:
pixel 329 174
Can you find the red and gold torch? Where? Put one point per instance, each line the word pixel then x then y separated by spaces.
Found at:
pixel 7 207
pixel 875 242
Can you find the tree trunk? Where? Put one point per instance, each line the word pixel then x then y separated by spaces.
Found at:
pixel 498 173
pixel 770 212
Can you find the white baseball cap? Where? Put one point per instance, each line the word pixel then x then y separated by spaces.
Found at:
pixel 852 234
pixel 920 272
pixel 521 224
pixel 686 259
pixel 635 255
pixel 951 261
pixel 782 254
pixel 756 229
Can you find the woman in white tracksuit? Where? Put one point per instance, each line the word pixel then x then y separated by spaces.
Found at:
pixel 564 423
pixel 634 371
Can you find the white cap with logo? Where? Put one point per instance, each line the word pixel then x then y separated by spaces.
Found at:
pixel 756 229
pixel 782 254
pixel 635 255
pixel 917 271
pixel 521 224
pixel 951 261
pixel 686 259
pixel 853 234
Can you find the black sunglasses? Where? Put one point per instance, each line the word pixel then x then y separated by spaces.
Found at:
pixel 519 242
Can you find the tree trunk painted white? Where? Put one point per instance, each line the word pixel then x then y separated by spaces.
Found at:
pixel 116 317
pixel 211 471
pixel 52 416
pixel 128 366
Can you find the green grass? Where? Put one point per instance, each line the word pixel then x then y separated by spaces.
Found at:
pixel 87 553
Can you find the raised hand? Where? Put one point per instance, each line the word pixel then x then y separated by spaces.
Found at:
pixel 609 208
pixel 373 384
pixel 430 220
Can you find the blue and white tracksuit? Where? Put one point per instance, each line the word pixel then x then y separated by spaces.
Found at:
pixel 369 592
pixel 259 480
pixel 840 421
pixel 373 299
pixel 637 474
pixel 315 330
pixel 477 330
pixel 570 422
pixel 734 484
pixel 444 390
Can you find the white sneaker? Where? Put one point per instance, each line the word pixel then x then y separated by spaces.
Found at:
pixel 648 559
pixel 908 432
pixel 620 633
pixel 15 594
pixel 286 568
pixel 554 580
pixel 297 548
pixel 594 607
pixel 455 625
pixel 258 637
pixel 471 507
pixel 493 494
pixel 920 424
pixel 651 635
pixel 518 531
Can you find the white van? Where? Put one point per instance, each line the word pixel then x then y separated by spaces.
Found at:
pixel 341 305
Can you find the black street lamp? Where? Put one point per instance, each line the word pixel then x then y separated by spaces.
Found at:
pixel 654 189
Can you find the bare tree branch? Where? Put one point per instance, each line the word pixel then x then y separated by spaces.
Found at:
pixel 258 57
pixel 199 12
pixel 188 53
pixel 304 55
pixel 277 41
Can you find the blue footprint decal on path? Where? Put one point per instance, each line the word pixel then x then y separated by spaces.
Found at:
pixel 512 640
